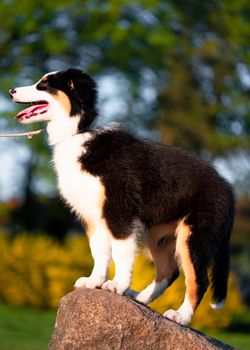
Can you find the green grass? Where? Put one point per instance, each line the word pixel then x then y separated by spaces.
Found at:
pixel 28 329
pixel 238 334
pixel 239 340
pixel 24 328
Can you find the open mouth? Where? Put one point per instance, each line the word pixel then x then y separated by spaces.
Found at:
pixel 36 108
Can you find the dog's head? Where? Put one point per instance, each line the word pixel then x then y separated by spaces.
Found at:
pixel 64 94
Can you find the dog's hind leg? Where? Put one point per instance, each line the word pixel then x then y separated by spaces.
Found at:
pixel 194 262
pixel 161 245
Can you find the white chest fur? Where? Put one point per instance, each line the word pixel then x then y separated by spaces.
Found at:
pixel 82 191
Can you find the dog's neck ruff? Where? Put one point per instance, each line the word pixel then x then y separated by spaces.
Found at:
pixel 60 129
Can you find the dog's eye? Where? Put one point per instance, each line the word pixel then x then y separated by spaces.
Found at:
pixel 42 85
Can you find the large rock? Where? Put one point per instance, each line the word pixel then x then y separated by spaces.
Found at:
pixel 96 319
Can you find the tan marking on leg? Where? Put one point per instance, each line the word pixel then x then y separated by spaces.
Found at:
pixel 161 244
pixel 102 198
pixel 183 233
pixel 90 226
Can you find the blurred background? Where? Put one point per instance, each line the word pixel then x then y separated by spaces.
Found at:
pixel 173 71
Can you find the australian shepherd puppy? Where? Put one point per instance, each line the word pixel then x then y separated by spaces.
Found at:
pixel 123 187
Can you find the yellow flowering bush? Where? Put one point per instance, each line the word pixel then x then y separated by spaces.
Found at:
pixel 38 271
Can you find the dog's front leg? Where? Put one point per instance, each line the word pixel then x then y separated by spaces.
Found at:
pixel 100 246
pixel 123 254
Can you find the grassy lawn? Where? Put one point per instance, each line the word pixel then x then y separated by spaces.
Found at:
pixel 25 328
pixel 239 340
pixel 28 329
pixel 238 333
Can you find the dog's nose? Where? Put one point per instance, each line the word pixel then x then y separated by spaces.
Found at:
pixel 12 92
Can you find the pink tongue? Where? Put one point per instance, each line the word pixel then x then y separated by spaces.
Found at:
pixel 31 111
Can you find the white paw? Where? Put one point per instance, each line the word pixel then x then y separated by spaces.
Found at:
pixel 88 282
pixel 143 297
pixel 176 317
pixel 113 286
pixel 138 296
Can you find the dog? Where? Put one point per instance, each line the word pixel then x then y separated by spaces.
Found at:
pixel 123 187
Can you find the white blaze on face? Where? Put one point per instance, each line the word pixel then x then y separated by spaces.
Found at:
pixel 45 106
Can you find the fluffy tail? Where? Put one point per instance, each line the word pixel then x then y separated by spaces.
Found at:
pixel 221 265
pixel 219 277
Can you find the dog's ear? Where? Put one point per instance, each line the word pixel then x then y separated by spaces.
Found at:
pixel 83 86
pixel 83 95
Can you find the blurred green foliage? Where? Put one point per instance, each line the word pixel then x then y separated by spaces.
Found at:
pixel 195 55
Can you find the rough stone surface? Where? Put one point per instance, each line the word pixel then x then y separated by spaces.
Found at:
pixel 96 319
